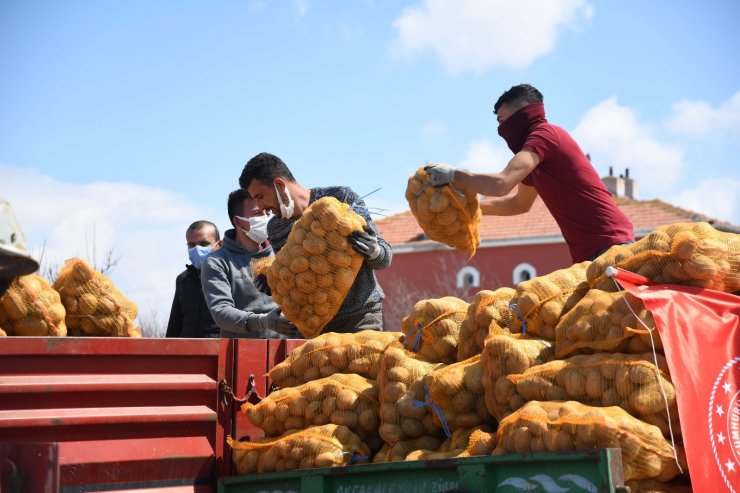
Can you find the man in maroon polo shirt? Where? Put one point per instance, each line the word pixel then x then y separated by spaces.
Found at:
pixel 547 162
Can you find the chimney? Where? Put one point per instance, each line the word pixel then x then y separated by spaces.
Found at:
pixel 614 184
pixel 630 186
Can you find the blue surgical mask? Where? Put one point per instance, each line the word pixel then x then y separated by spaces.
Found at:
pixel 198 255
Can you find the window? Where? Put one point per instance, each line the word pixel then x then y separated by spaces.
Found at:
pixel 524 272
pixel 468 277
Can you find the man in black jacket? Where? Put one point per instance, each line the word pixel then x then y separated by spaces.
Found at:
pixel 190 316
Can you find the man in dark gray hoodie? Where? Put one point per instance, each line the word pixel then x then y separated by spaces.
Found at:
pixel 238 308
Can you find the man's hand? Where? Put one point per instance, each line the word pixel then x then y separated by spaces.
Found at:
pixel 274 320
pixel 440 174
pixel 365 243
pixel 260 282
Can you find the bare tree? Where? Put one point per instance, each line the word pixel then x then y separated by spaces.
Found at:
pixel 151 324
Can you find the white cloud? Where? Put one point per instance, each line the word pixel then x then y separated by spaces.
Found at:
pixel 433 128
pixel 700 119
pixel 143 225
pixel 484 157
pixel 717 198
pixel 475 35
pixel 614 137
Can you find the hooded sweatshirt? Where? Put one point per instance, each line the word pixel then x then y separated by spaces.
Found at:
pixel 229 290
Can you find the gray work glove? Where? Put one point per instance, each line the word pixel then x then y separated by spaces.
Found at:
pixel 260 282
pixel 440 174
pixel 365 243
pixel 274 320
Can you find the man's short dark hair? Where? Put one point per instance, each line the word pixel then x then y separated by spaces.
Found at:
pixel 264 167
pixel 202 224
pixel 518 97
pixel 234 204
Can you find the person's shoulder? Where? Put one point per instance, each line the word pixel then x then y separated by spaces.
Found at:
pixel 341 193
pixel 183 275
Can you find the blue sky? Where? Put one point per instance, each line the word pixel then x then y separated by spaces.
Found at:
pixel 123 122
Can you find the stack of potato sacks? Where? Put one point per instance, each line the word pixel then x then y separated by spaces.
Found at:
pixel 313 272
pixel 563 362
pixel 81 302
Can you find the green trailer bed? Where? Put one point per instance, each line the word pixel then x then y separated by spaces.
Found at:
pixel 590 471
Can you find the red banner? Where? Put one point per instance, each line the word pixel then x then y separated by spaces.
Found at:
pixel 700 330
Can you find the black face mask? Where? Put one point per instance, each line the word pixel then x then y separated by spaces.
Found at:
pixel 516 128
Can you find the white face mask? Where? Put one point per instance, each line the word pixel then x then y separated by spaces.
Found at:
pixel 286 211
pixel 257 228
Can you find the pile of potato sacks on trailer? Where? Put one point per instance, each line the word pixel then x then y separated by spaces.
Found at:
pixel 562 362
pixel 80 302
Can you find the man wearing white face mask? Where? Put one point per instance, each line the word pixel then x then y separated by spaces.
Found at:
pixel 190 316
pixel 267 178
pixel 238 308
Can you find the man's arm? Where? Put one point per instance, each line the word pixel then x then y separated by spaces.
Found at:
pixel 492 184
pixel 512 204
pixel 220 301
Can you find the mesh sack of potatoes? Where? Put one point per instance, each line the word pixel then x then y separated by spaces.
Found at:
pixel 31 307
pixel 94 305
pixel 487 307
pixel 462 442
pixel 630 381
pixel 260 265
pixel 691 254
pixel 402 448
pixel 456 395
pixel 680 484
pixel 606 322
pixel 449 214
pixel 313 272
pixel 507 354
pixel 564 426
pixel 432 329
pixel 331 353
pixel 319 446
pixel 404 414
pixel 540 302
pixel 3 333
pixel 349 400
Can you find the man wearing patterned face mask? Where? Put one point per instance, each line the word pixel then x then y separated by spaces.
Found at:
pixel 238 308
pixel 549 163
pixel 190 316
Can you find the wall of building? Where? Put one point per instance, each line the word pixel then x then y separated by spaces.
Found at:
pixel 414 276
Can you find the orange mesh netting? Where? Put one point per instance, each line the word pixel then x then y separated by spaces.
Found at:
pixel 432 329
pixel 604 321
pixel 449 214
pixel 94 305
pixel 506 354
pixel 630 381
pixel 318 446
pixel 539 303
pixel 691 254
pixel 348 400
pixel 456 391
pixel 31 307
pixel 563 426
pixel 312 274
pixel 488 307
pixel 403 411
pixel 331 353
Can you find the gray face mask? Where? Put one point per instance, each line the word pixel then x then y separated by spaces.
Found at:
pixel 286 211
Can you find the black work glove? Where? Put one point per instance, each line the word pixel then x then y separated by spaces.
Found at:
pixel 260 282
pixel 365 243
